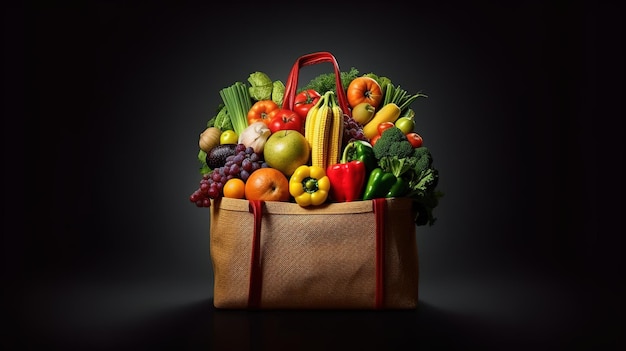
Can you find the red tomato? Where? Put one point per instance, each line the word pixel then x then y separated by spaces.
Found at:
pixel 415 139
pixel 283 119
pixel 374 139
pixel 384 126
pixel 304 101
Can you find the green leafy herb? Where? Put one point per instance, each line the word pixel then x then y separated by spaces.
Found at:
pixel 327 81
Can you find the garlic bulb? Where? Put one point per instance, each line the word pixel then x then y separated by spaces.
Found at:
pixel 255 136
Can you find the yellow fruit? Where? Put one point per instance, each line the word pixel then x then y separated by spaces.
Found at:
pixel 228 137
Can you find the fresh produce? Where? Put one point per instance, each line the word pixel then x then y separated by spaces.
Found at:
pixel 304 101
pixel 368 151
pixel 327 81
pixel 399 188
pixel 209 138
pixel 309 185
pixel 255 136
pixel 261 86
pixel 384 126
pixel 325 131
pixel 423 191
pixel 217 156
pixel 285 150
pixel 359 150
pixel 260 111
pixel 400 97
pixel 238 102
pixel 382 81
pixel 204 168
pixel 388 113
pixel 285 119
pixel 278 92
pixel 374 139
pixel 239 165
pixel 378 184
pixel 221 120
pixel 364 89
pixel 397 156
pixel 346 180
pixel 392 142
pixel 363 113
pixel 415 139
pixel 229 137
pixel 352 130
pixel 267 184
pixel 234 188
pixel 406 124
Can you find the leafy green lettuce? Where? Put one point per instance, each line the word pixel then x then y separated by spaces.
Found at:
pixel 261 86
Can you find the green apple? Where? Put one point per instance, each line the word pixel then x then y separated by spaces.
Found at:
pixel 286 150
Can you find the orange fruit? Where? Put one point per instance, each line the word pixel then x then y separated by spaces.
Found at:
pixel 268 184
pixel 234 188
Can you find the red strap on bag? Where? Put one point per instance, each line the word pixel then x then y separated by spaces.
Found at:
pixel 256 272
pixel 256 276
pixel 380 212
pixel 291 86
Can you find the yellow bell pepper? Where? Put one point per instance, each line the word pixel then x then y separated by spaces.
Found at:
pixel 309 185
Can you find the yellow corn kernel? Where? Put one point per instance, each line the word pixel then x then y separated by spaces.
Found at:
pixel 309 123
pixel 319 147
pixel 336 135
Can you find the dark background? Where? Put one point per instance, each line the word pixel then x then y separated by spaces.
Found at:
pixel 104 101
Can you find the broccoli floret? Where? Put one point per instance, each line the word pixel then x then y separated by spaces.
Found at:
pixel 423 159
pixel 425 196
pixel 396 155
pixel 393 142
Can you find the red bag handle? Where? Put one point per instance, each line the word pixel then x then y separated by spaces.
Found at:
pixel 256 271
pixel 311 59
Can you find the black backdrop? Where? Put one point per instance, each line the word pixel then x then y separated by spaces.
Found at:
pixel 103 103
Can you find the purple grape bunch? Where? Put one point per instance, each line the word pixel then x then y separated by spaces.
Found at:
pixel 239 165
pixel 352 130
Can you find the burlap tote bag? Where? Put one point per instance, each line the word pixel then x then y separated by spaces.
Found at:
pixel 278 255
pixel 349 255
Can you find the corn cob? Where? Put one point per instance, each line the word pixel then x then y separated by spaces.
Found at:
pixel 336 133
pixel 321 134
pixel 309 122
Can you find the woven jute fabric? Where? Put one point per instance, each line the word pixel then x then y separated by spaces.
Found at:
pixel 320 257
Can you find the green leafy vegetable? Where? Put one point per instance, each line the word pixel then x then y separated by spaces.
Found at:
pixel 278 92
pixel 392 142
pixel 400 97
pixel 425 195
pixel 221 120
pixel 261 86
pixel 394 154
pixel 238 102
pixel 204 167
pixel 327 81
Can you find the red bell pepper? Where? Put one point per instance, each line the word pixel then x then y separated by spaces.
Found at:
pixel 346 180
